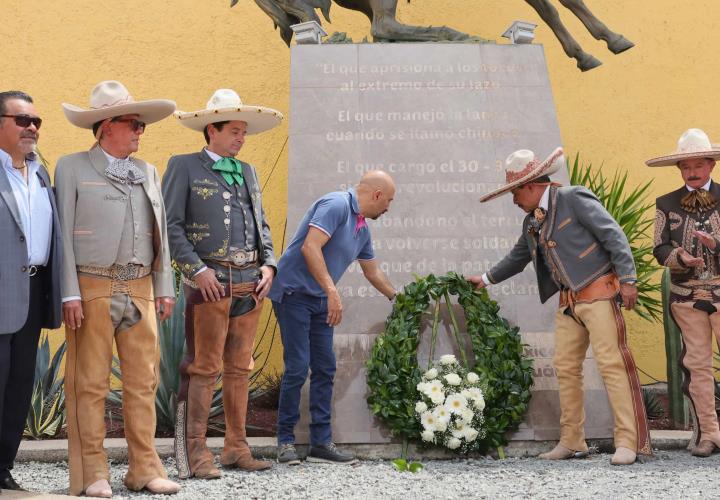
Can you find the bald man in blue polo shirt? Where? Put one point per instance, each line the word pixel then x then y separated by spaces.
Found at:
pixel 307 305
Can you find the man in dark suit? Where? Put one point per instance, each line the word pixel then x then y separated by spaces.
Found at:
pixel 687 241
pixel 220 240
pixel 29 268
pixel 579 250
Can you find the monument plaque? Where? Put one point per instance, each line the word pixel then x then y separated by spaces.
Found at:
pixel 441 119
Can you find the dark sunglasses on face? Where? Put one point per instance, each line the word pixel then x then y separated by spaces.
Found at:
pixel 25 121
pixel 135 125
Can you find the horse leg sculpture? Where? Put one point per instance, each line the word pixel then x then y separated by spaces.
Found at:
pixel 550 15
pixel 615 41
pixel 385 26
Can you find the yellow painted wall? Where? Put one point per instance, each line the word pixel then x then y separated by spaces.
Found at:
pixel 632 108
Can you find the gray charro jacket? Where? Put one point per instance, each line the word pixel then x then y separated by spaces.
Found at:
pixel 193 194
pixel 582 240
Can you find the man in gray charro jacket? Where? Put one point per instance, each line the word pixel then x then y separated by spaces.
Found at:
pixel 220 241
pixel 579 250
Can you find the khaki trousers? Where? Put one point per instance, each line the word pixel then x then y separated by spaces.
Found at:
pixel 87 382
pixel 215 341
pixel 601 325
pixel 697 329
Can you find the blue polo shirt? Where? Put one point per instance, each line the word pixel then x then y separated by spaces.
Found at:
pixel 335 214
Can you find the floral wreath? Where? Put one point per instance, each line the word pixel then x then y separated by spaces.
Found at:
pixel 393 372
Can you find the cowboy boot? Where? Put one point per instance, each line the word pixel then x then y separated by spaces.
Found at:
pixel 236 452
pixel 199 398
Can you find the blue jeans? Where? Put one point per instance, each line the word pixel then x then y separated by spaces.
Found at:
pixel 307 344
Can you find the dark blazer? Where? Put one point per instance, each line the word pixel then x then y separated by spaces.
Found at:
pixel 14 281
pixel 194 203
pixel 673 229
pixel 582 239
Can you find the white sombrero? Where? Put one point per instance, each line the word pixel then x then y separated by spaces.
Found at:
pixel 110 99
pixel 522 167
pixel 225 105
pixel 694 143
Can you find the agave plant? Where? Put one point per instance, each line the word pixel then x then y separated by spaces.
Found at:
pixel 629 206
pixel 47 408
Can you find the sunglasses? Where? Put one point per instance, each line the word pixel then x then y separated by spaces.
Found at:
pixel 25 121
pixel 135 124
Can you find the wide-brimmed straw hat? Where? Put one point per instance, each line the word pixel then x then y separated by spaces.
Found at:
pixel 226 105
pixel 522 167
pixel 694 143
pixel 110 99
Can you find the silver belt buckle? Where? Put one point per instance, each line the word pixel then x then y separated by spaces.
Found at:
pixel 239 258
pixel 32 270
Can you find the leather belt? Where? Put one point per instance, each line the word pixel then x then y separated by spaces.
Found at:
pixel 117 272
pixel 603 288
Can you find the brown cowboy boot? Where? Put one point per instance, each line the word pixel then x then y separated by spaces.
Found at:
pixel 199 398
pixel 236 452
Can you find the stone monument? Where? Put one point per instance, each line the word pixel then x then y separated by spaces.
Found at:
pixel 441 119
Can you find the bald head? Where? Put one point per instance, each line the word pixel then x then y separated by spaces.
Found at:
pixel 375 191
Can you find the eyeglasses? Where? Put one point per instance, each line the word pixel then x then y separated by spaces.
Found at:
pixel 135 124
pixel 25 121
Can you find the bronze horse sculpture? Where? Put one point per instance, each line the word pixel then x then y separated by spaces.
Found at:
pixel 386 27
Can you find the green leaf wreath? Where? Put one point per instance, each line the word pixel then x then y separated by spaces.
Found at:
pixel 393 372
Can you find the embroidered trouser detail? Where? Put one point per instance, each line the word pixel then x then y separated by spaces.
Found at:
pixel 697 329
pixel 598 324
pixel 215 341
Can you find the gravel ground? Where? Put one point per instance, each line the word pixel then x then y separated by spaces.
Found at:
pixel 672 474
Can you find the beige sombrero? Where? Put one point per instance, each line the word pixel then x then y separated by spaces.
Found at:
pixel 110 99
pixel 694 143
pixel 225 105
pixel 522 167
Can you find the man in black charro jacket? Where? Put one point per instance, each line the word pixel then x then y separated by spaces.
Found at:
pixel 220 241
pixel 687 226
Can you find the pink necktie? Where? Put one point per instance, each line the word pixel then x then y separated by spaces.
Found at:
pixel 359 224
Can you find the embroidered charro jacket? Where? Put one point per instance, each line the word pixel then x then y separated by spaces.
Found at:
pixel 674 226
pixel 578 242
pixel 198 202
pixel 93 210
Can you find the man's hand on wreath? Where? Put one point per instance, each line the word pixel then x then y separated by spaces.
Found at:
pixel 477 281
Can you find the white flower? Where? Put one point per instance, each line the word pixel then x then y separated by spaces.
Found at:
pixel 430 374
pixel 453 443
pixel 473 377
pixel 441 414
pixel 448 359
pixel 420 407
pixel 456 403
pixel 459 429
pixel 440 425
pixel 421 387
pixel 427 435
pixel 453 379
pixel 467 415
pixel 470 434
pixel 437 398
pixel 476 395
pixel 428 420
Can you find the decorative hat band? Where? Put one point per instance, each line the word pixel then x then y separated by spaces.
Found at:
pixel 513 176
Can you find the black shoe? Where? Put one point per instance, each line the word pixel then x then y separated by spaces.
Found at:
pixel 286 454
pixel 329 454
pixel 8 483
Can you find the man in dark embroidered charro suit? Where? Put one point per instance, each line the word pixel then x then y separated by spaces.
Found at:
pixel 687 227
pixel 220 241
pixel 579 250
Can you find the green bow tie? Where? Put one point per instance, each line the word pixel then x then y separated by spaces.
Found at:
pixel 230 169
